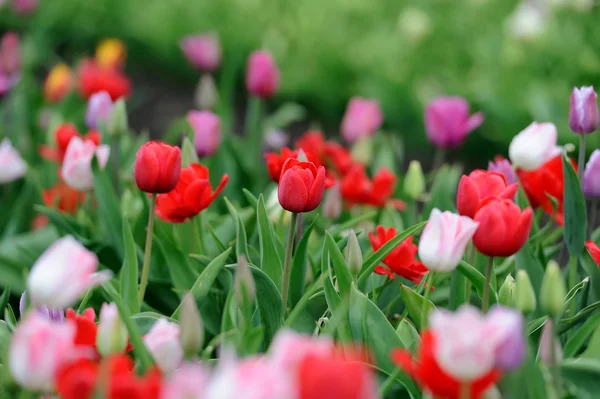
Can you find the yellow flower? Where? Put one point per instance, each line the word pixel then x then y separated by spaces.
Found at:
pixel 110 53
pixel 58 83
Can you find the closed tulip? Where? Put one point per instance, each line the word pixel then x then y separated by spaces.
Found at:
pixel 504 167
pixel 301 186
pixel 262 75
pixel 112 333
pixel 207 131
pixel 38 348
pixel 93 78
pixel 591 176
pixel 478 186
pixel 203 52
pixel 77 164
pixel 157 167
pixel 110 54
pixel 63 273
pixel 187 382
pixel 99 109
pixel 503 227
pixel 444 240
pixel 10 54
pixel 58 83
pixel 163 344
pixel 507 332
pixel 24 7
pixel 534 146
pixel 363 117
pixel 448 123
pixel 12 166
pixel 584 116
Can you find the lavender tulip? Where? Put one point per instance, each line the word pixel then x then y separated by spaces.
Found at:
pixel 99 109
pixel 584 116
pixel 207 131
pixel 447 121
pixel 504 167
pixel 55 314
pixel 591 176
pixel 507 329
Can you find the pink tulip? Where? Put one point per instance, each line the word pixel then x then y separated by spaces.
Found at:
pixel 444 240
pixel 12 166
pixel 584 116
pixel 363 117
pixel 10 53
pixel 207 131
pixel 262 75
pixel 77 164
pixel 202 51
pixel 289 348
pixel 534 146
pixel 24 7
pixel 63 273
pixel 99 109
pixel 448 123
pixel 37 349
pixel 504 167
pixel 112 334
pixel 163 344
pixel 187 382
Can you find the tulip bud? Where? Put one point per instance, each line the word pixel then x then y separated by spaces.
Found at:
pixel 262 75
pixel 99 109
pixel 206 95
pixel 24 7
pixel 553 291
pixel 354 257
pixel 110 53
pixel 207 131
pixel 584 116
pixel 414 182
pixel 332 206
pixel 157 167
pixel 503 166
pixel 77 164
pixel 591 176
pixel 203 52
pixel 448 123
pixel 192 330
pixel 524 294
pixel 57 83
pixel 118 123
pixel 363 118
pixel 362 150
pixel 244 287
pixel 164 345
pixel 10 53
pixel 549 342
pixel 506 292
pixel 112 334
pixel 301 186
pixel 12 166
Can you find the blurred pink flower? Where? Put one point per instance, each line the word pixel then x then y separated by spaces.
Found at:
pixel 262 75
pixel 534 146
pixel 163 344
pixel 447 121
pixel 63 273
pixel 10 53
pixel 207 131
pixel 202 51
pixel 112 336
pixel 187 382
pixel 504 167
pixel 24 7
pixel 12 166
pixel 363 117
pixel 289 348
pixel 99 109
pixel 77 164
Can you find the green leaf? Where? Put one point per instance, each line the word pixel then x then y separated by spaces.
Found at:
pixel 67 224
pixel 251 198
pixel 12 274
pixel 109 208
pixel 178 264
pixel 526 260
pixel 342 273
pixel 568 323
pixel 129 272
pixel 369 325
pixel 269 258
pixel 593 348
pixel 583 374
pixel 477 279
pixel 579 338
pixel 443 189
pixel 241 246
pixel 206 279
pixel 331 295
pixel 574 210
pixel 414 305
pixel 408 334
pixel 458 294
pixel 299 265
pixel 592 269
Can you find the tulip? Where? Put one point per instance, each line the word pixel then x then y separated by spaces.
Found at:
pixel 99 110
pixel 192 329
pixel 163 344
pixel 63 198
pixel 503 227
pixel 525 299
pixel 553 291
pixel 301 186
pixel 187 382
pixel 401 260
pixel 478 186
pixel 332 206
pixel 447 121
pixel 584 116
pixel 534 146
pixel 506 291
pixel 63 273
pixel 110 53
pixel 157 167
pixel 354 258
pixel 244 287
pixel 444 240
pixel 548 342
pixel 93 78
pixel 503 166
pixel 363 117
pixel 58 83
pixel 37 350
pixel 289 348
pixel 262 75
pixel 414 181
pixel 591 176
pixel 77 166
pixel 118 123
pixel 206 95
pixel 55 314
pixel 357 188
pixel 203 52
pixel 507 331
pixel 10 54
pixel 191 195
pixel 12 166
pixel 207 131
pixel 593 250
pixel 112 333
pixel 86 332
pixel 24 7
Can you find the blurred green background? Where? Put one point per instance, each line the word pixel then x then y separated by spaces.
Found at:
pixel 516 61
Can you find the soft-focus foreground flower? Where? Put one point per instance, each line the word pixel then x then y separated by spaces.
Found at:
pixel 58 83
pixel 207 131
pixel 478 186
pixel 192 194
pixel 534 146
pixel 112 334
pixel 584 116
pixel 548 343
pixel 62 137
pixel 24 7
pixel 37 349
pixel 591 176
pixel 99 109
pixel 444 240
pixel 163 344
pixel 357 188
pixel 332 155
pixel 93 78
pixel 203 52
pixel 363 117
pixel 55 314
pixel 448 123
pixel 110 54
pixel 301 186
pixel 187 382
pixel 544 182
pixel 157 167
pixel 63 198
pixel 262 75
pixel 503 166
pixel 503 227
pixel 86 331
pixel 402 260
pixel 10 54
pixel 593 250
pixel 64 272
pixel 12 166
pixel 77 164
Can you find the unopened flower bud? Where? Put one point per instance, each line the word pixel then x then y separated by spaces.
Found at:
pixel 546 344
pixel 553 291
pixel 354 257
pixel 112 334
pixel 414 182
pixel 118 124
pixel 243 282
pixel 190 323
pixel 506 292
pixel 524 294
pixel 362 150
pixel 584 116
pixel 131 205
pixel 332 206
pixel 206 95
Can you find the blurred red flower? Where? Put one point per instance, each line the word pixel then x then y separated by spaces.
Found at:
pixel 357 188
pixel 402 260
pixel 593 250
pixel 62 137
pixel 86 329
pixel 93 78
pixel 63 198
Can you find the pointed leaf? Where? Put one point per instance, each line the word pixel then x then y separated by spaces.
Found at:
pixel 129 272
pixel 574 209
pixel 270 262
pixel 342 273
pixel 414 305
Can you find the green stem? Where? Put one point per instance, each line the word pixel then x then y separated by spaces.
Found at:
pixel 424 308
pixel 486 285
pixel 147 251
pixel 287 265
pixel 581 164
pixel 471 259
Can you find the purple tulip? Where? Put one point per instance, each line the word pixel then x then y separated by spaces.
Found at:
pixel 99 108
pixel 504 167
pixel 363 117
pixel 10 54
pixel 50 313
pixel 24 7
pixel 262 75
pixel 591 176
pixel 207 131
pixel 584 116
pixel 447 121
pixel 511 345
pixel 203 52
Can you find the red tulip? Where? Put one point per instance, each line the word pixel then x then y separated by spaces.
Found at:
pixel 192 194
pixel 85 334
pixel 402 260
pixel 478 186
pixel 301 186
pixel 356 188
pixel 157 167
pixel 63 198
pixel 593 250
pixel 93 79
pixel 330 154
pixel 62 136
pixel 275 161
pixel 547 180
pixel 503 227
pixel 77 380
